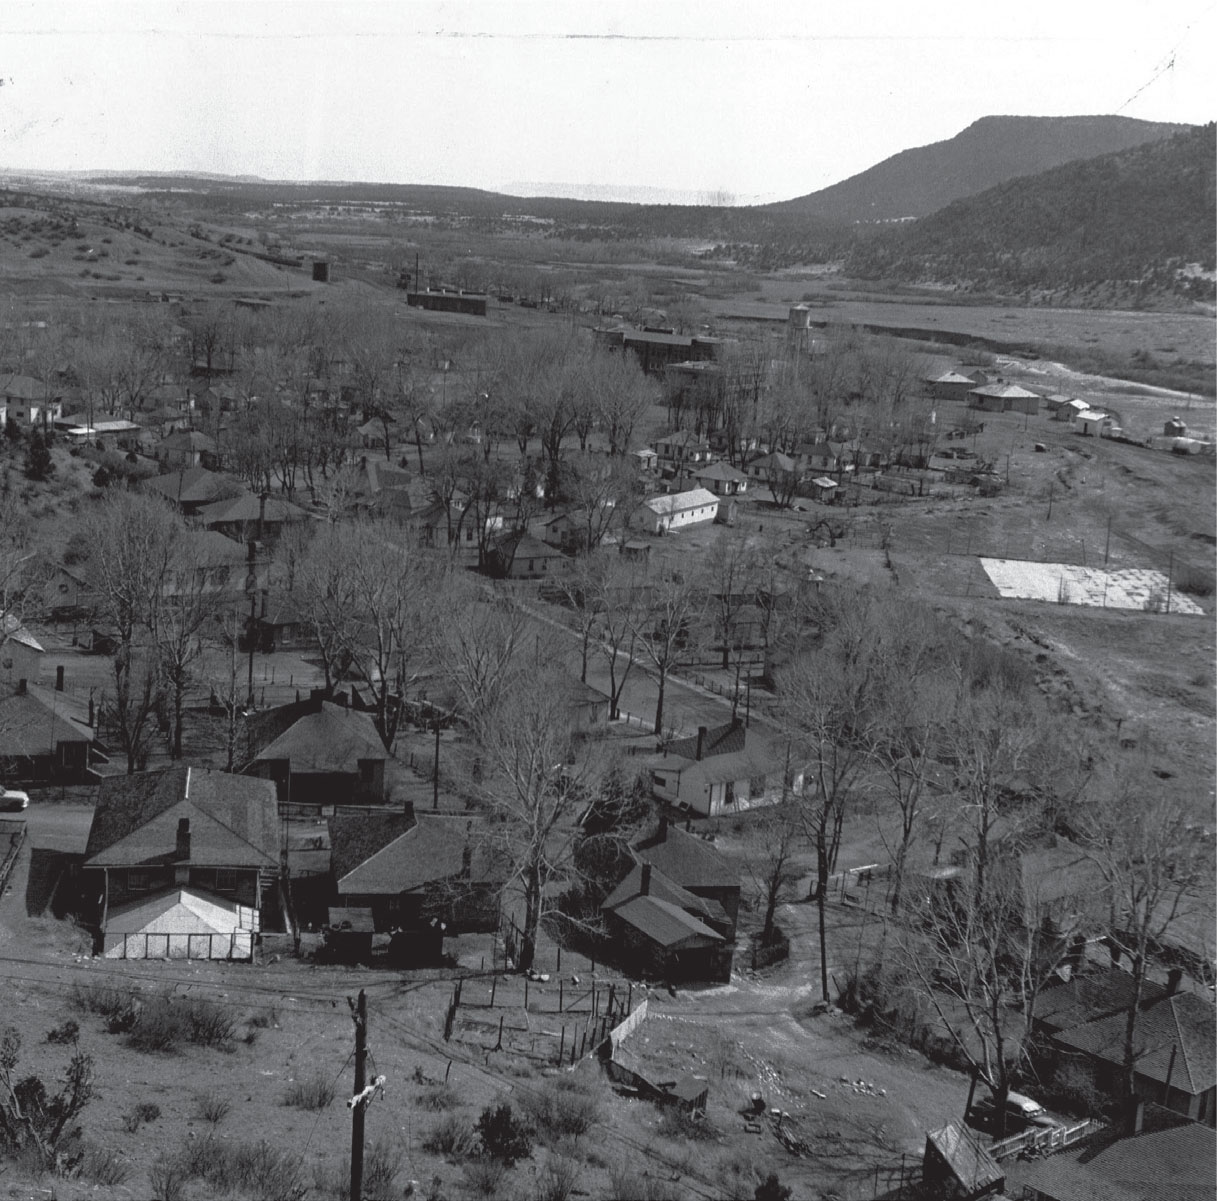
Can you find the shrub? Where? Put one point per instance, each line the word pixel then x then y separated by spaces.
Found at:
pixel 167 1180
pixel 772 1189
pixel 1197 581
pixel 504 1136
pixel 439 1097
pixel 313 1094
pixel 453 1135
pixel 626 1183
pixel 146 1112
pixel 207 1023
pixel 256 1169
pixel 562 1108
pixel 212 1107
pixel 484 1177
pixel 158 1026
pixel 677 1124
pixel 264 1019
pixel 557 1182
pixel 102 1165
pixel 381 1165
pixel 63 1034
pixel 102 999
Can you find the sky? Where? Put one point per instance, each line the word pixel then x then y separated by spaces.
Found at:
pixel 708 100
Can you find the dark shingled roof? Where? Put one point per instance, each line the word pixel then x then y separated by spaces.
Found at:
pixel 686 860
pixel 249 508
pixel 334 740
pixel 720 740
pixel 665 923
pixel 1183 1021
pixel 29 726
pixel 430 851
pixel 234 820
pixel 665 890
pixel 194 485
pixel 357 837
pixel 1085 998
pixel 1165 1165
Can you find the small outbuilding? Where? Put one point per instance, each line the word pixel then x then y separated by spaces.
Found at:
pixel 958 1167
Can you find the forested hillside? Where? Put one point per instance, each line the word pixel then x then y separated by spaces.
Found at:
pixel 1138 223
pixel 917 182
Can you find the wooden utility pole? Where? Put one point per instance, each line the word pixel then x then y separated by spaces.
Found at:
pixel 435 781
pixel 360 1015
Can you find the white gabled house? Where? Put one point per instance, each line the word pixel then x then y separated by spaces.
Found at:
pixel 679 509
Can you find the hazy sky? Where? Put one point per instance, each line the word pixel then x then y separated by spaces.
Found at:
pixel 760 99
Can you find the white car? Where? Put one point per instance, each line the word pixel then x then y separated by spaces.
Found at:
pixel 12 801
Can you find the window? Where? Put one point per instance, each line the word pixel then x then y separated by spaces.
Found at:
pixel 226 880
pixel 139 881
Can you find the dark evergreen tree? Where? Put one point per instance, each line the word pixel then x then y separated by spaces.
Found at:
pixel 38 462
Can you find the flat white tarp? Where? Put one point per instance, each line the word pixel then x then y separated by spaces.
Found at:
pixel 1068 584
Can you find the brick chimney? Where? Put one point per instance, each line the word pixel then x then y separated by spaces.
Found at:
pixel 182 850
pixel 701 741
pixel 1173 977
pixel 645 887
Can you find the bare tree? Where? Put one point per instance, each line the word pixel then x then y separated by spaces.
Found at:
pixel 976 948
pixel 534 787
pixel 618 608
pixel 620 394
pixel 828 703
pixel 133 545
pixel 178 635
pixel 372 595
pixel 1158 864
pixel 666 624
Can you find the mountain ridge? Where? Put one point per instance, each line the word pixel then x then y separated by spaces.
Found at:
pixel 993 149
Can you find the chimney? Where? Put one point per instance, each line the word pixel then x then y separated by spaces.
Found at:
pixel 1134 1118
pixel 1172 980
pixel 59 678
pixel 645 887
pixel 701 741
pixel 261 514
pixel 662 835
pixel 21 688
pixel 182 851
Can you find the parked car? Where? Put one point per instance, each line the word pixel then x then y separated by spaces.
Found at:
pixel 1021 1112
pixel 12 801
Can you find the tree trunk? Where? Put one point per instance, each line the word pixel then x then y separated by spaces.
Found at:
pixel 663 679
pixel 532 922
pixel 821 904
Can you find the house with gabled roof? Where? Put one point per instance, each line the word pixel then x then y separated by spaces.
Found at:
pixel 674 914
pixel 187 448
pixel 951 385
pixel 1175 1058
pixel 190 488
pixel 332 756
pixel 21 654
pixel 726 769
pixel 29 402
pixel 180 863
pixel 1003 398
pixel 248 516
pixel 675 511
pixel 45 737
pixel 720 478
pixel 418 878
pixel 1169 1163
